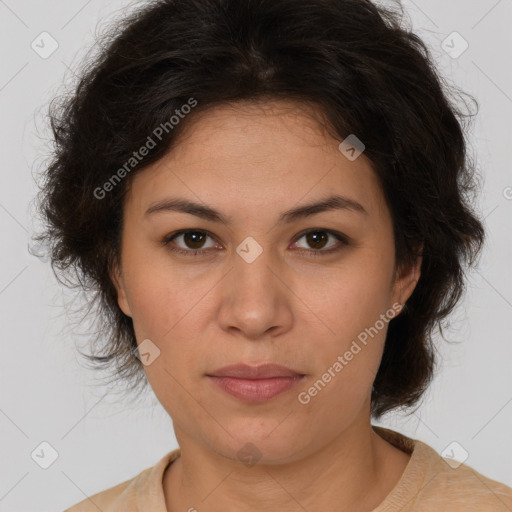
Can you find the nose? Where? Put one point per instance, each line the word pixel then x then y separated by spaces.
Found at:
pixel 256 301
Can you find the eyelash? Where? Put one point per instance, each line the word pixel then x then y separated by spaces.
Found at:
pixel 312 252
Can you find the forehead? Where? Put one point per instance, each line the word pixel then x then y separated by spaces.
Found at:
pixel 259 155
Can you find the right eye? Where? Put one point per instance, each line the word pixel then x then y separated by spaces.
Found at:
pixel 192 239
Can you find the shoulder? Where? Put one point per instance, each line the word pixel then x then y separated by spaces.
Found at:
pixel 433 482
pixel 449 484
pixel 105 499
pixel 143 489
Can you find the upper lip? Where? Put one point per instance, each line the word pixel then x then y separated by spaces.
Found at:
pixel 244 371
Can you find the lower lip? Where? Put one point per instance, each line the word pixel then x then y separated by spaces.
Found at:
pixel 256 390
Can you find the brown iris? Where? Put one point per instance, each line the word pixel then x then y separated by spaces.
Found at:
pixel 196 239
pixel 316 237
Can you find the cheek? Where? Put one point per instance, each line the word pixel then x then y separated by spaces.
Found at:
pixel 344 379
pixel 162 296
pixel 346 299
pixel 353 312
pixel 167 309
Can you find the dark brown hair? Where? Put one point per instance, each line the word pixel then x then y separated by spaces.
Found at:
pixel 365 73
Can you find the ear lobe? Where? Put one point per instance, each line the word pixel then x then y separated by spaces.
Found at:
pixel 411 279
pixel 119 284
pixel 408 280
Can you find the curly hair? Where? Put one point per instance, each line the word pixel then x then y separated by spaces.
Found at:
pixel 361 69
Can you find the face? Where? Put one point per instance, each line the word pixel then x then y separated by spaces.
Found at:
pixel 302 291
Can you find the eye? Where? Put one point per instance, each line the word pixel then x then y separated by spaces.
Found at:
pixel 193 242
pixel 317 239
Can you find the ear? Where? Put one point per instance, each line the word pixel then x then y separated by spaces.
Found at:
pixel 120 285
pixel 407 280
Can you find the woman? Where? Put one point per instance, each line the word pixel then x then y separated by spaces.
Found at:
pixel 271 199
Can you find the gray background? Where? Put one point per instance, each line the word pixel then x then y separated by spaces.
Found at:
pixel 47 395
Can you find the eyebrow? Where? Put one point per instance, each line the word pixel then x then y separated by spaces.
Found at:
pixel 336 202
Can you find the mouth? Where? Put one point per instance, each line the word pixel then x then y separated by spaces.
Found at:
pixel 255 383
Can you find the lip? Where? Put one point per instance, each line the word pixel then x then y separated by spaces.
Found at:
pixel 255 390
pixel 264 371
pixel 255 383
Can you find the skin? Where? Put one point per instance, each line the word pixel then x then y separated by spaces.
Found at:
pixel 251 162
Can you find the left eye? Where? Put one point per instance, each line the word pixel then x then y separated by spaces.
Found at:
pixel 193 241
pixel 318 238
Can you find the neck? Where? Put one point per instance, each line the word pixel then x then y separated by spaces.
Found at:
pixel 355 472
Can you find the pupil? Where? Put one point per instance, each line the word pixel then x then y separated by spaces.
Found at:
pixel 197 238
pixel 314 238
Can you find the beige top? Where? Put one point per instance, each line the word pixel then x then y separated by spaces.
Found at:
pixel 428 483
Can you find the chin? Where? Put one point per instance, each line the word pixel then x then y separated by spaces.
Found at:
pixel 263 441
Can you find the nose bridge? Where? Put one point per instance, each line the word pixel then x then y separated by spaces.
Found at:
pixel 251 273
pixel 253 301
